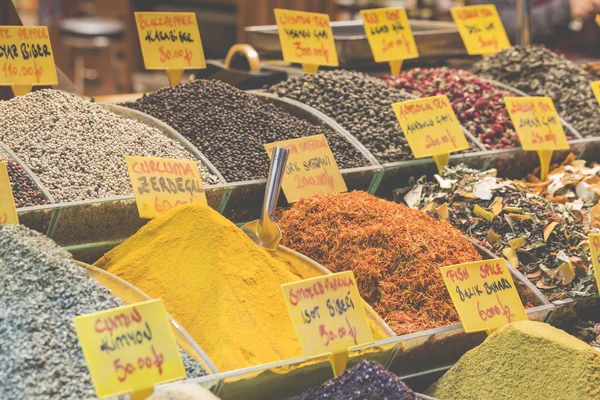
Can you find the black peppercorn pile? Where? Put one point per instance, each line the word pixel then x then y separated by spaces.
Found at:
pixel 365 381
pixel 24 190
pixel 538 71
pixel 359 103
pixel 231 127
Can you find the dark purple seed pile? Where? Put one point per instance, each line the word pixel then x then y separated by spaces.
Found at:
pixel 24 190
pixel 231 127
pixel 365 381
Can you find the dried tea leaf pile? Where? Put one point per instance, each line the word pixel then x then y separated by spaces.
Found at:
pixel 478 105
pixel 543 240
pixel 538 71
pixel 524 360
pixel 395 253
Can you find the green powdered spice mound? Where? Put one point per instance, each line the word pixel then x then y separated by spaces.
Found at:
pixel 524 360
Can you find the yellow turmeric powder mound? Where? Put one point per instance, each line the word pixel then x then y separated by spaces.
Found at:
pixel 219 285
pixel 524 360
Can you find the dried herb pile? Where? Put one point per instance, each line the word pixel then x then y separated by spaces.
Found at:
pixel 395 253
pixel 368 380
pixel 478 105
pixel 538 71
pixel 543 240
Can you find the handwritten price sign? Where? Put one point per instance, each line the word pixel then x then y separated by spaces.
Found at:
pixel 171 41
pixel 431 128
pixel 310 168
pixel 480 29
pixel 160 184
pixel 328 315
pixel 595 249
pixel 484 294
pixel 8 211
pixel 26 58
pixel 596 89
pixel 306 38
pixel 129 348
pixel 389 36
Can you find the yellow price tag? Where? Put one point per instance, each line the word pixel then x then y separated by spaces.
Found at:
pixel 431 128
pixel 129 349
pixel 538 126
pixel 595 250
pixel 310 169
pixel 328 315
pixel 160 184
pixel 480 29
pixel 171 41
pixel 306 38
pixel 484 294
pixel 8 211
pixel 596 89
pixel 390 36
pixel 26 58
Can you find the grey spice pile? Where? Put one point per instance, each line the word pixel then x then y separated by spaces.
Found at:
pixel 359 103
pixel 231 127
pixel 77 148
pixel 41 290
pixel 538 71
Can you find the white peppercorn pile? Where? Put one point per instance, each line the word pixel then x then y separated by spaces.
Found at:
pixel 360 103
pixel 25 192
pixel 77 148
pixel 231 127
pixel 538 71
pixel 41 290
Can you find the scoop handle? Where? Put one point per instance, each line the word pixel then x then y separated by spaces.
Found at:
pixel 278 159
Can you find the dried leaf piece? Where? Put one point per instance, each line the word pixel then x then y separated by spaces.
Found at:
pixel 496 205
pixel 430 207
pixel 483 213
pixel 464 193
pixel 534 276
pixel 492 236
pixel 519 216
pixel 542 285
pixel 442 212
pixel 511 255
pixel 566 273
pixel 548 230
pixel 513 209
pixel 517 243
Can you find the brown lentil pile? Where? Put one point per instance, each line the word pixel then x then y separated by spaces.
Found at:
pixel 538 71
pixel 231 127
pixel 478 105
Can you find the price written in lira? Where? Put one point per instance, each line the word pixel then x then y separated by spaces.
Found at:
pixel 26 57
pixel 480 29
pixel 596 89
pixel 129 349
pixel 595 250
pixel 8 211
pixel 484 294
pixel 160 184
pixel 306 38
pixel 389 34
pixel 328 314
pixel 310 168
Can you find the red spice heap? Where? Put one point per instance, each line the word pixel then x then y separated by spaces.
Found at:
pixel 478 105
pixel 394 251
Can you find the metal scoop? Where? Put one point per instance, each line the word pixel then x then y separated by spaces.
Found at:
pixel 264 232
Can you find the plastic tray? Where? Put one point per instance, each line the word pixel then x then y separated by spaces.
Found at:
pixel 245 200
pixel 130 294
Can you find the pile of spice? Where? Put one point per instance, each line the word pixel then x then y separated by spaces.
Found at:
pixel 41 290
pixel 231 127
pixel 77 148
pixel 368 380
pixel 573 184
pixel 543 240
pixel 360 103
pixel 524 360
pixel 478 105
pixel 395 253
pixel 538 71
pixel 221 287
pixel 25 192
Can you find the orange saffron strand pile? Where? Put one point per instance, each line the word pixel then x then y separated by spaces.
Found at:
pixel 394 251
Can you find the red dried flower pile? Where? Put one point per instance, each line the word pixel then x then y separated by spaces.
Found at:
pixel 394 251
pixel 478 105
